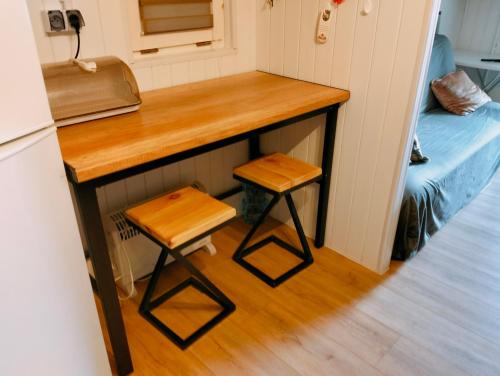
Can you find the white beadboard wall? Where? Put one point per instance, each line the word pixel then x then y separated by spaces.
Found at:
pixel 473 25
pixel 376 57
pixel 106 33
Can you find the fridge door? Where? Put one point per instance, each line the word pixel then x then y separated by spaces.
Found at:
pixel 24 106
pixel 49 323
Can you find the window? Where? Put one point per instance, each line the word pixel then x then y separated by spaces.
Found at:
pixel 158 25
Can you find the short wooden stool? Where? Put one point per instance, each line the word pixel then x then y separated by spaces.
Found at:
pixel 278 175
pixel 175 221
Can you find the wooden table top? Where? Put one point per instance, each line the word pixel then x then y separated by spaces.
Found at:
pixel 181 118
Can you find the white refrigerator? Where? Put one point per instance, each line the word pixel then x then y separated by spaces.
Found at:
pixel 48 318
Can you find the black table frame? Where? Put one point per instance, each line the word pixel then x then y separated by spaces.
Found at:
pixel 86 197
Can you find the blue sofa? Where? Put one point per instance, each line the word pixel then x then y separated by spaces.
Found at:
pixel 464 154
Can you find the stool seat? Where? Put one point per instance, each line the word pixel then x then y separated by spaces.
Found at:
pixel 180 216
pixel 277 172
pixel 278 175
pixel 173 222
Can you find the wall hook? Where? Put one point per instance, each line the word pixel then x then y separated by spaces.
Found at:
pixel 271 3
pixel 367 7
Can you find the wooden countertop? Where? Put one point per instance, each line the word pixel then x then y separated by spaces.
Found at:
pixel 180 118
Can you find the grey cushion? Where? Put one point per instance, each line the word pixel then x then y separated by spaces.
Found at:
pixel 442 62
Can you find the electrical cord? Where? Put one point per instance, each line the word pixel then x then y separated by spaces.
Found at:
pixel 78 46
pixel 75 23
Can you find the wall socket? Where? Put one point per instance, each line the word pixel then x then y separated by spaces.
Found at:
pixel 56 21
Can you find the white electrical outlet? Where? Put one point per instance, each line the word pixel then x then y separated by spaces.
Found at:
pixel 54 21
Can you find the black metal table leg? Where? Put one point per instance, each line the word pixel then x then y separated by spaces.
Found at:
pixel 254 147
pixel 326 165
pixel 89 210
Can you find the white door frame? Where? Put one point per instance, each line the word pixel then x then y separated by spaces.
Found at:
pixel 420 75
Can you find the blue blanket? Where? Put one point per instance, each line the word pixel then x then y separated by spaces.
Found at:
pixel 464 154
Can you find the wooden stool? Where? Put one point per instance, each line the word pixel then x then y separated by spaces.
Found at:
pixel 175 221
pixel 278 175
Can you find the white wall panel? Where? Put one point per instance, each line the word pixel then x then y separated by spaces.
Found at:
pixel 291 47
pixel 376 57
pixel 473 25
pixel 452 15
pixel 106 33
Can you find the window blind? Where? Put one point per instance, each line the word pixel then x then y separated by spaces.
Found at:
pixel 164 16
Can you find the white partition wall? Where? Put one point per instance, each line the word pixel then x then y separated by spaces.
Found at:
pixel 378 58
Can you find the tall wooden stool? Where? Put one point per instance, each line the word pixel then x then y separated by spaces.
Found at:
pixel 278 175
pixel 175 221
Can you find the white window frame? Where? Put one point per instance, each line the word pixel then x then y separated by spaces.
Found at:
pixel 173 40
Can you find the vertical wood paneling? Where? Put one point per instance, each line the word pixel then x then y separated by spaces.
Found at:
pixel 307 52
pixel 180 73
pixel 91 36
pixel 216 161
pixel 314 153
pixel 290 138
pixel 300 151
pixel 389 19
pixel 341 68
pixel 373 56
pixel 187 170
pixel 211 68
pixel 262 34
pixel 45 51
pixel 360 72
pixel 144 77
pixel 171 176
pixel 197 70
pixel 113 26
pixel 277 38
pixel 116 195
pixel 202 170
pixel 154 182
pixel 293 13
pixel 467 29
pixel 162 76
pixel 410 34
pixel 136 189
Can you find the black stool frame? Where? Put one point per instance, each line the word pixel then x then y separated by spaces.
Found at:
pixel 305 255
pixel 197 280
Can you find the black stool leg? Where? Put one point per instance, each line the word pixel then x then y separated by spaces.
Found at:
pixel 215 292
pixel 240 252
pixel 298 227
pixel 305 255
pixel 146 299
pixel 199 282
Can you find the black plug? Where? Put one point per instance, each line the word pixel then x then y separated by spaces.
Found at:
pixel 75 20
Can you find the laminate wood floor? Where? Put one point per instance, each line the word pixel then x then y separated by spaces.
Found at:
pixel 437 314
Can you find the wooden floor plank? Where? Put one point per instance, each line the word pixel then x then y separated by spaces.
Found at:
pixel 436 314
pixel 408 358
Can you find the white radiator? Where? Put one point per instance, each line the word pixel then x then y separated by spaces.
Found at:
pixel 134 256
